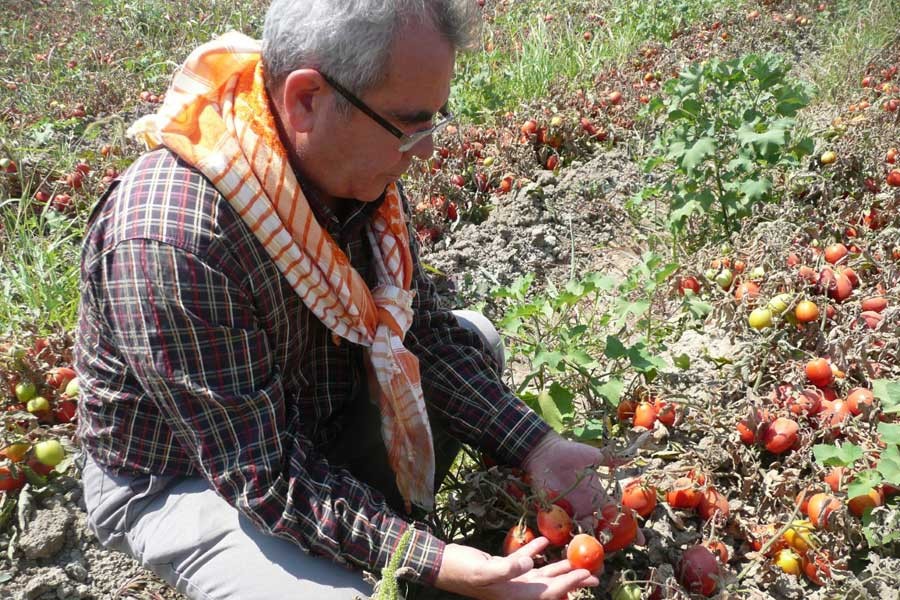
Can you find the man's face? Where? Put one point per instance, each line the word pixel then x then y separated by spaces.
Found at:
pixel 352 156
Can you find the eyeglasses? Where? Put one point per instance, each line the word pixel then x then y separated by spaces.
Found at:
pixel 406 141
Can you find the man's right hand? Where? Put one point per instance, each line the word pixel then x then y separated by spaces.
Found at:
pixel 476 574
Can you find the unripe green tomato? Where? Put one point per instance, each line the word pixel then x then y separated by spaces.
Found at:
pixel 488 161
pixel 760 318
pixel 37 405
pixel 757 273
pixel 710 274
pixel 725 278
pixel 627 591
pixel 49 452
pixel 25 391
pixel 73 388
pixel 780 303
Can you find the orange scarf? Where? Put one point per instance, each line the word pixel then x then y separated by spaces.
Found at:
pixel 216 117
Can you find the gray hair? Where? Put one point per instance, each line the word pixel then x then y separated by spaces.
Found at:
pixel 350 40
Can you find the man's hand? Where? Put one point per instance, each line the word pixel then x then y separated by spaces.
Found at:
pixel 557 464
pixel 476 574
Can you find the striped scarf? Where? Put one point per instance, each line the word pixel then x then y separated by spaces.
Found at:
pixel 216 117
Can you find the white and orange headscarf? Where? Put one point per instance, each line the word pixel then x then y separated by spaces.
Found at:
pixel 216 117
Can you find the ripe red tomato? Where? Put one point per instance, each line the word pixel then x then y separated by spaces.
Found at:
pixel 698 571
pixel 781 435
pixel 665 412
pixel 713 504
pixel 748 436
pixel 874 303
pixel 59 377
pixel 65 410
pixel 555 525
pixel 835 253
pixel 645 415
pixel 688 284
pixel 719 549
pixel 616 527
pixel 639 497
pixel 835 478
pixel 893 178
pixel 517 536
pixel 585 552
pixel 806 311
pixel 684 494
pixel 818 371
pixel 10 481
pixel 857 398
pixel 816 566
pixel 820 509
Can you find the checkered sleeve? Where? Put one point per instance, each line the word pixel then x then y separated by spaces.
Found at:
pixel 187 331
pixel 460 380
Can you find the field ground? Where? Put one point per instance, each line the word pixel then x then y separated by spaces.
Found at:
pixel 684 215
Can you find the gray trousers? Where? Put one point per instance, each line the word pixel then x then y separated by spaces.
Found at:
pixel 180 529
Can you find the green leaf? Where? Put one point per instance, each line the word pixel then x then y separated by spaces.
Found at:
pixel 683 361
pixel 695 156
pixel 698 307
pixel 614 347
pixel 549 411
pixel 863 483
pixel 756 190
pixel 592 430
pixel 552 359
pixel 581 358
pixel 642 360
pixel 612 390
pixel 889 393
pixel 890 432
pixel 837 456
pixel 563 398
pixel 889 465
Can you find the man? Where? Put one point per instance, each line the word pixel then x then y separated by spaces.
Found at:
pixel 253 309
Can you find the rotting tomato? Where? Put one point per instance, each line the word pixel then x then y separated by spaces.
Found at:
pixel 719 549
pixel 616 527
pixel 585 552
pixel 816 566
pixel 788 561
pixel 713 505
pixel 625 410
pixel 821 509
pixel 857 398
pixel 640 497
pixel 518 536
pixel 59 377
pixel 665 412
pixel 555 524
pixel 698 571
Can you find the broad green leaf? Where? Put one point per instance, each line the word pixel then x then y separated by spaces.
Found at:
pixel 889 393
pixel 581 358
pixel 889 465
pixel 837 456
pixel 697 153
pixel 563 398
pixel 611 391
pixel 550 358
pixel 698 307
pixel 890 432
pixel 549 411
pixel 591 430
pixel 642 360
pixel 614 348
pixel 682 361
pixel 756 190
pixel 863 483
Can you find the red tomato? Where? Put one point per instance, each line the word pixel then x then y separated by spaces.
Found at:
pixel 517 536
pixel 719 549
pixel 835 252
pixel 555 525
pixel 9 481
pixel 585 552
pixel 665 412
pixel 857 398
pixel 684 494
pixel 835 478
pixel 689 283
pixel 893 178
pixel 625 411
pixel 820 509
pixel 816 567
pixel 818 371
pixel 65 410
pixel 616 527
pixel 874 303
pixel 781 435
pixel 639 497
pixel 698 571
pixel 860 504
pixel 713 504
pixel 60 377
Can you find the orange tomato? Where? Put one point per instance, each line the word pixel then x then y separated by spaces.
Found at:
pixel 639 497
pixel 645 415
pixel 835 252
pixel 781 435
pixel 684 494
pixel 818 371
pixel 616 527
pixel 860 504
pixel 858 397
pixel 806 311
pixel 585 552
pixel 821 508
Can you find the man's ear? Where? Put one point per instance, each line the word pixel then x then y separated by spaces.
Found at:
pixel 302 96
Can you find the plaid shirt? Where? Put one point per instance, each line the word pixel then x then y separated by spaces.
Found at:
pixel 196 357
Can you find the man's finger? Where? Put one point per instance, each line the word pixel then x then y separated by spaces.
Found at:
pixel 559 587
pixel 532 548
pixel 554 569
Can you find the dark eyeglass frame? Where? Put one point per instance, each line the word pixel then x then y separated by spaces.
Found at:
pixel 407 141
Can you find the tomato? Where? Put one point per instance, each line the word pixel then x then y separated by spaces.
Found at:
pixel 38 405
pixel 639 497
pixel 529 127
pixel 60 377
pixel 821 508
pixel 836 477
pixel 874 303
pixel 724 279
pixel 625 411
pixel 585 552
pixel 645 415
pixel 835 253
pixel 617 527
pixel 25 391
pixel 858 505
pixel 781 435
pixel 760 318
pixel 698 571
pixel 748 436
pixel 739 266
pixel 688 285
pixel 828 157
pixel 719 549
pixel 857 398
pixel 760 535
pixel 816 567
pixel 806 311
pixel 713 504
pixel 799 536
pixel 15 452
pixel 891 155
pixel 850 274
pixel 11 480
pixel 517 536
pixel 49 452
pixel 808 402
pixel 749 289
pixel 834 413
pixel 555 525
pixel 684 494
pixel 838 285
pixel 871 318
pixel 788 561
pixel 665 412
pixel 893 178
pixel 818 371
pixel 627 591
